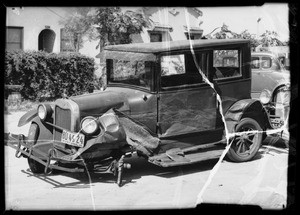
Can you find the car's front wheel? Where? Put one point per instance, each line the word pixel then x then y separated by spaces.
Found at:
pixel 34 166
pixel 246 142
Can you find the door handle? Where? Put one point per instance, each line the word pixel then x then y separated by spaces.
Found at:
pixel 145 98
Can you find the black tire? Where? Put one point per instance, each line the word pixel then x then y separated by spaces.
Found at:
pixel 33 134
pixel 245 147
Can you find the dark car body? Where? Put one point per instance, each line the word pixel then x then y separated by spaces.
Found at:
pixel 174 103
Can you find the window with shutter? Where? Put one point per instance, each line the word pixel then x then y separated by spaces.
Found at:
pixel 14 38
pixel 66 41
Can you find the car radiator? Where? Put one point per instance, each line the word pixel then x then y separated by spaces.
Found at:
pixel 63 120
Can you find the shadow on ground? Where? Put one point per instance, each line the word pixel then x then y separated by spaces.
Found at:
pixel 141 167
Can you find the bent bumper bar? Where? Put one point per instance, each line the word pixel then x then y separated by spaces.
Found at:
pixel 18 142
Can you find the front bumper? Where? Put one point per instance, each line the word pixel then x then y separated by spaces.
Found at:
pixel 23 148
pixel 115 166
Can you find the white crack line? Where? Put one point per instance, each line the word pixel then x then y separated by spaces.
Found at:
pixel 177 195
pixel 216 167
pixel 87 171
pixel 88 174
pixel 252 188
pixel 227 135
pixel 90 184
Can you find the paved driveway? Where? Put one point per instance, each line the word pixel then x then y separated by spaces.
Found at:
pixel 262 181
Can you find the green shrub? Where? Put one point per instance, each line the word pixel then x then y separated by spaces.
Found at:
pixel 45 76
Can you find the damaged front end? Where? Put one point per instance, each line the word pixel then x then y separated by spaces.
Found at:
pixel 100 144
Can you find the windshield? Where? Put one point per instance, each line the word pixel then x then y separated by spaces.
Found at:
pixel 137 73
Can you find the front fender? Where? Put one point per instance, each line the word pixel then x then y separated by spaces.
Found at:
pixel 27 117
pixel 246 108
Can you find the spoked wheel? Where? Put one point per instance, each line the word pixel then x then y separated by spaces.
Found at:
pixel 246 144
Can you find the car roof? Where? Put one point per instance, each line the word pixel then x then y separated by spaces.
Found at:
pixel 156 47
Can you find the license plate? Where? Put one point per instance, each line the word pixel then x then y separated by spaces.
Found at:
pixel 71 138
pixel 277 123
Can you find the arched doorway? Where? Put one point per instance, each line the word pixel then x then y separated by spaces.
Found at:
pixel 46 40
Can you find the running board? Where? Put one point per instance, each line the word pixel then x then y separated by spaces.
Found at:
pixel 178 157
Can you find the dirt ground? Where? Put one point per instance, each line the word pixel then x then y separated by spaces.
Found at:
pixel 262 182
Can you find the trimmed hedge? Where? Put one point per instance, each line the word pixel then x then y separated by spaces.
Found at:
pixel 45 76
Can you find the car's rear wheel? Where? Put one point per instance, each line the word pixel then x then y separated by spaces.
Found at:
pixel 34 166
pixel 245 145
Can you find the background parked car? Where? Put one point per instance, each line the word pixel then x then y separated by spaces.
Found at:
pixel 271 84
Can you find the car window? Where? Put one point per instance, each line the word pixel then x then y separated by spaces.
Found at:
pixel 172 65
pixel 182 69
pixel 226 64
pixel 255 62
pixel 138 73
pixel 266 62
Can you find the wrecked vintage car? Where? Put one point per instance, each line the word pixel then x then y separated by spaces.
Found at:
pixel 271 85
pixel 173 103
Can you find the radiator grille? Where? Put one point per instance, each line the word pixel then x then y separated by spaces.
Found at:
pixel 62 119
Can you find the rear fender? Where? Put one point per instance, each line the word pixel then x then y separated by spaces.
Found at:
pixel 246 108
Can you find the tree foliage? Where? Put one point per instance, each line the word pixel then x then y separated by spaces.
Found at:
pixel 109 25
pixel 78 25
pixel 115 27
pixel 270 38
pixel 267 39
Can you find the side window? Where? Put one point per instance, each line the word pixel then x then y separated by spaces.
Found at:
pixel 255 62
pixel 66 41
pixel 155 37
pixel 226 64
pixel 14 38
pixel 181 70
pixel 137 73
pixel 266 62
pixel 172 65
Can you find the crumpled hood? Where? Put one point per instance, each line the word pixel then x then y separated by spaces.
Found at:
pixel 95 104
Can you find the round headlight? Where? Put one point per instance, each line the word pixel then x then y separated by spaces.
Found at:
pixel 265 96
pixel 89 125
pixel 44 111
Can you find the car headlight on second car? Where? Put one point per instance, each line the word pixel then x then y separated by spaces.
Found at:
pixel 89 125
pixel 265 96
pixel 44 111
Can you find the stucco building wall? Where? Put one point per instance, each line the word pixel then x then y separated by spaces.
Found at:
pixel 175 18
pixel 36 19
pixel 169 22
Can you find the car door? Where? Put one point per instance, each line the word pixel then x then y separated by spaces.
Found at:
pixel 260 74
pixel 256 87
pixel 186 103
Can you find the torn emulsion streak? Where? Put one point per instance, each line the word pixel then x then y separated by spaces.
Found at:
pixel 216 167
pixel 88 174
pixel 177 193
pixel 90 184
pixel 255 186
